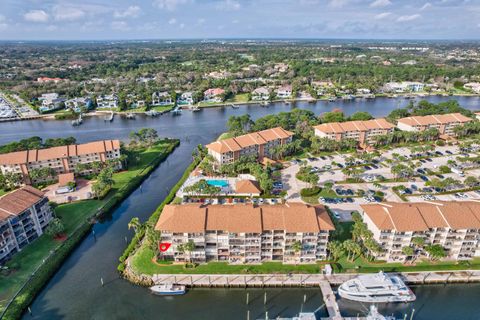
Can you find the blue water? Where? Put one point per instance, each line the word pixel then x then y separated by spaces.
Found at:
pixel 218 183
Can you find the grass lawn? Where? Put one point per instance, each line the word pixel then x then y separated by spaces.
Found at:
pixel 225 135
pixel 2 192
pixel 72 215
pixel 142 263
pixel 162 108
pixel 239 98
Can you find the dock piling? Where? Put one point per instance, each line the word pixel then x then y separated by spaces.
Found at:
pixel 265 298
pixel 248 296
pixel 411 316
pixel 101 281
pixel 248 314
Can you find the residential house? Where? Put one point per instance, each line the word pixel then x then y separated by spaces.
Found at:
pixel 284 92
pixel 474 86
pixel 261 94
pixel 453 225
pixel 47 79
pixel 214 95
pixel 402 87
pixel 24 216
pixel 107 101
pixel 79 104
pixel 185 98
pixel 259 144
pixel 361 131
pixel 443 122
pixel 50 102
pixel 61 159
pixel 161 99
pixel 246 234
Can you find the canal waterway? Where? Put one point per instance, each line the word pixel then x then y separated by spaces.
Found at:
pixel 75 292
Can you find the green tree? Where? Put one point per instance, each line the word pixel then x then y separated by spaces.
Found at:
pixel 55 228
pixel 335 249
pixel 135 224
pixel 435 251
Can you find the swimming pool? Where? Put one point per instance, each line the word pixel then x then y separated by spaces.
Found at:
pixel 218 183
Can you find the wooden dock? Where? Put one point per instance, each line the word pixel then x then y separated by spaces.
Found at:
pixel 330 301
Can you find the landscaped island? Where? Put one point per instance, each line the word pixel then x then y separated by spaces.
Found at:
pixel 29 270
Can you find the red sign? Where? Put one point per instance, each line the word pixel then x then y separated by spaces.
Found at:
pixel 164 246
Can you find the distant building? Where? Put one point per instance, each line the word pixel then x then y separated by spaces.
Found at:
pixel 62 159
pixel 47 79
pixel 24 215
pixel 185 98
pixel 284 92
pixel 259 144
pixel 474 86
pixel 161 99
pixel 249 188
pixel 107 101
pixel 261 94
pixel 453 225
pixel 214 95
pixel 78 104
pixel 246 233
pixel 361 131
pixel 402 87
pixel 443 122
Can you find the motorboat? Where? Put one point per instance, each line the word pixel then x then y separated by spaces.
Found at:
pixel 376 288
pixel 168 289
pixel 152 113
pixel 373 314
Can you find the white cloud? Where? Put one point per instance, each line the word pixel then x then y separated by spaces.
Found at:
pixel 168 4
pixel 426 6
pixel 182 25
pixel 36 16
pixel 380 3
pixel 338 3
pixel 120 26
pixel 52 27
pixel 201 21
pixel 383 15
pixel 235 21
pixel 3 24
pixel 172 21
pixel 67 13
pixel 228 5
pixel 408 18
pixel 130 12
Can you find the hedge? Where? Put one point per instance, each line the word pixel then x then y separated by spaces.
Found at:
pixel 310 192
pixel 136 240
pixel 54 262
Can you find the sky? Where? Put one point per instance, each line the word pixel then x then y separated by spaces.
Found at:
pixel 201 19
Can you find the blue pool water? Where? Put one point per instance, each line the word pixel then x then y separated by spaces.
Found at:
pixel 218 183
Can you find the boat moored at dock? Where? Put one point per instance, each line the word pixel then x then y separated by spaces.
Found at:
pixel 168 289
pixel 376 288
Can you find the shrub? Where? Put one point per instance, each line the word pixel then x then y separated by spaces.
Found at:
pixel 310 192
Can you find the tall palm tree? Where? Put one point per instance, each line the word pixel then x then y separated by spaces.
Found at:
pixel 335 249
pixel 135 224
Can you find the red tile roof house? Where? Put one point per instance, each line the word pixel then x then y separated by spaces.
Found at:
pixel 62 159
pixel 443 122
pixel 246 233
pixel 24 215
pixel 261 144
pixel 213 95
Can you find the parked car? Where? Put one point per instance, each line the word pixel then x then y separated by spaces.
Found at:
pixel 424 178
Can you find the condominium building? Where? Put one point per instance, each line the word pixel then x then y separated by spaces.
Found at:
pixel 290 233
pixel 62 159
pixel 443 122
pixel 260 144
pixel 24 215
pixel 453 225
pixel 361 131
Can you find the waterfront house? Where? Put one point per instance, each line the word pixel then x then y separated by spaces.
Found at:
pixel 259 144
pixel 261 94
pixel 50 102
pixel 284 92
pixel 402 87
pixel 185 98
pixel 361 131
pixel 79 104
pixel 444 123
pixel 214 95
pixel 289 233
pixel 107 101
pixel 453 225
pixel 474 86
pixel 24 215
pixel 161 99
pixel 61 159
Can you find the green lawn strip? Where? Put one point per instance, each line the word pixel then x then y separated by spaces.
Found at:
pixel 2 192
pixel 75 218
pixel 239 98
pixel 162 108
pixel 225 135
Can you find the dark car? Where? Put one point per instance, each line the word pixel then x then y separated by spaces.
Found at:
pixel 367 168
pixel 440 176
pixel 448 151
pixel 420 170
pixel 422 161
pixel 350 200
pixel 424 178
pixel 323 158
pixel 414 187
pixel 439 153
pixel 339 165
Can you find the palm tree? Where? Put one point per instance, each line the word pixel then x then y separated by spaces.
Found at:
pixel 408 251
pixel 135 224
pixel 189 247
pixel 335 249
pixel 352 249
pixel 297 247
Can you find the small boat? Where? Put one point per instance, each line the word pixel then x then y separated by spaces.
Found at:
pixel 177 111
pixel 168 289
pixel 78 121
pixel 332 99
pixel 194 108
pixel 373 314
pixel 234 106
pixel 109 118
pixel 130 116
pixel 376 288
pixel 286 102
pixel 152 113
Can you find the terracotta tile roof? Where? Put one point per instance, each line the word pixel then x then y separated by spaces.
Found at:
pixel 251 139
pixel 65 178
pixel 434 119
pixel 241 218
pixel 59 152
pixel 405 217
pixel 247 186
pixel 342 127
pixel 17 201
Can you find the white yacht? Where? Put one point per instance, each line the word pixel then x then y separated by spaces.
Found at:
pixel 168 289
pixel 376 288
